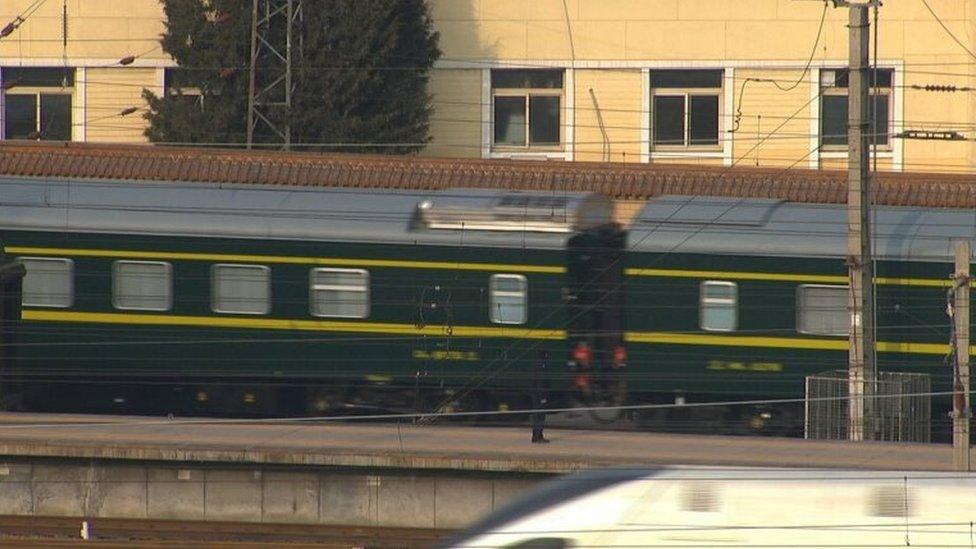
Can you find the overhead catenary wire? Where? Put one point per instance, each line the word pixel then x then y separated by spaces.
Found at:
pixel 19 20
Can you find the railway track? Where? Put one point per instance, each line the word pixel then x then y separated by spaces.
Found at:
pixel 21 531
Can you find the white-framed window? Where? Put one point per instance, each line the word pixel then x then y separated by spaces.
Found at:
pixel 527 109
pixel 49 282
pixel 177 84
pixel 719 306
pixel 834 109
pixel 686 109
pixel 822 310
pixel 240 289
pixel 508 297
pixel 339 293
pixel 37 102
pixel 142 285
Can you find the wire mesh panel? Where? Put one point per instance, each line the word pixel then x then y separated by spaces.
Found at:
pixel 901 411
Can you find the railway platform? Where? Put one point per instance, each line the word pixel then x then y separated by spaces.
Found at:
pixel 429 447
pixel 377 475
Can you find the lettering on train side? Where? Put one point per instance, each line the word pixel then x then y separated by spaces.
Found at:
pixel 742 366
pixel 469 356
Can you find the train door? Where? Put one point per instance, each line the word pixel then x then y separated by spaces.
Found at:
pixel 11 283
pixel 595 318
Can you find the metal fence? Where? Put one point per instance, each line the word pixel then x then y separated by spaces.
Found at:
pixel 902 409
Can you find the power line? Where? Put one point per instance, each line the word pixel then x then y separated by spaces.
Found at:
pixel 21 19
pixel 946 29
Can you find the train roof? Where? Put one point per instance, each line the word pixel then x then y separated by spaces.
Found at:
pixel 776 228
pixel 475 217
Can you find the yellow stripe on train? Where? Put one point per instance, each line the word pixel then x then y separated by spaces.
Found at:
pixel 464 266
pixel 280 259
pixel 785 277
pixel 385 328
pixel 672 338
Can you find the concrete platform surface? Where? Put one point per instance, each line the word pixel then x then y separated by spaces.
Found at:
pixel 438 446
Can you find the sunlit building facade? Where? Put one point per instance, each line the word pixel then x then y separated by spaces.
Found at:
pixel 752 83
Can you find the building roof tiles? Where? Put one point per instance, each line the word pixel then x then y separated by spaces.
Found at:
pixel 620 181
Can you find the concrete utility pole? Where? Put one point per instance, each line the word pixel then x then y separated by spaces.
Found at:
pixel 862 369
pixel 960 333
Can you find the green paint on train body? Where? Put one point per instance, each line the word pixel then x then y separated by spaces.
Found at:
pixel 440 303
pixel 767 310
pixel 444 297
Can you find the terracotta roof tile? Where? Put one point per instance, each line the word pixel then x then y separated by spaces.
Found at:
pixel 621 181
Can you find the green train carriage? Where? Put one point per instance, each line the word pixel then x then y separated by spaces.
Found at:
pixel 741 299
pixel 242 299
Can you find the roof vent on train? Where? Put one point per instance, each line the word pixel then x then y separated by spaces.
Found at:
pixel 490 210
pixel 891 501
pixel 699 497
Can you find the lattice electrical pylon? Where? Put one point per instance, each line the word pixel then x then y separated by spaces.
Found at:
pixel 273 46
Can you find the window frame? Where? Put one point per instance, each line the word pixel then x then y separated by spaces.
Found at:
pixel 71 282
pixel 313 287
pixel 527 94
pixel 704 301
pixel 799 311
pixel 492 293
pixel 686 93
pixel 174 90
pixel 37 93
pixel 213 288
pixel 169 279
pixel 835 91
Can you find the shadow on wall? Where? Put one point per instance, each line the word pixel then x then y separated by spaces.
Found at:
pixel 456 82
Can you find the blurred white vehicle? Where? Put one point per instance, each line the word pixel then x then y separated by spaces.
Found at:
pixel 732 507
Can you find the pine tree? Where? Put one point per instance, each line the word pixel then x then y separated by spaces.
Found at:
pixel 210 41
pixel 365 74
pixel 360 72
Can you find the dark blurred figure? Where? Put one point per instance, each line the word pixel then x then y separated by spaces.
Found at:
pixel 540 396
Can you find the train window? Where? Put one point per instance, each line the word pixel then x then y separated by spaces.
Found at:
pixel 341 293
pixel 508 299
pixel 240 289
pixel 49 282
pixel 142 285
pixel 719 306
pixel 822 310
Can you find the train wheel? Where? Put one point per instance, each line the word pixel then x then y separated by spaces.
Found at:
pixel 779 421
pixel 608 399
pixel 458 403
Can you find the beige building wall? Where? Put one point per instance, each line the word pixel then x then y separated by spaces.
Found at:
pixel 595 40
pixel 99 34
pixel 771 120
pixel 109 92
pixel 455 126
pixel 609 46
pixel 608 115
